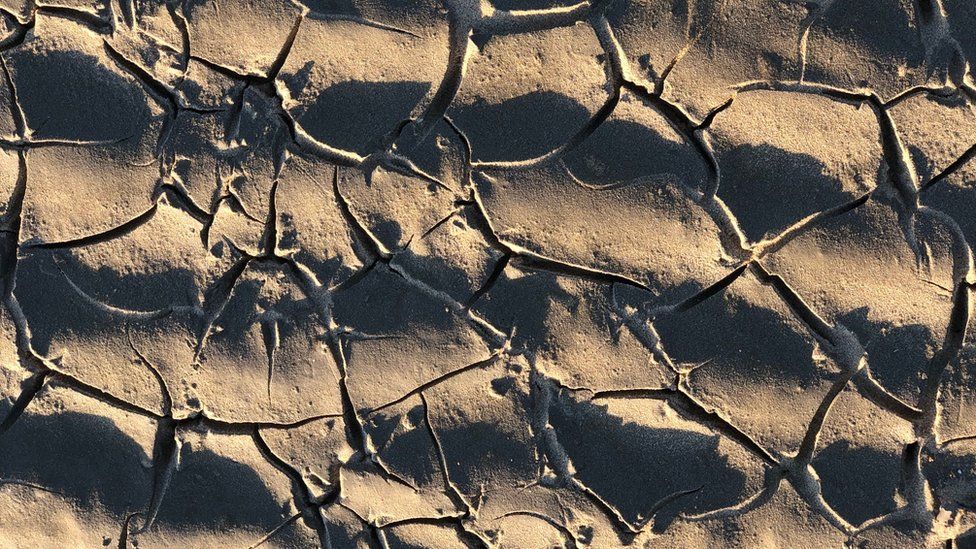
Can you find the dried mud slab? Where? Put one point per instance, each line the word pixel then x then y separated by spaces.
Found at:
pixel 514 274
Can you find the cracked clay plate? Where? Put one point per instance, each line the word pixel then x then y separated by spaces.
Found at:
pixel 487 274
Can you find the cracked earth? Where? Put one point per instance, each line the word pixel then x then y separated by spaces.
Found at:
pixel 455 273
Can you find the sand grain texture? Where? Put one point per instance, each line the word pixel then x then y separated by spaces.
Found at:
pixel 475 273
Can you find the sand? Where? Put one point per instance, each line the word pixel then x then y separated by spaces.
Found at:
pixel 510 273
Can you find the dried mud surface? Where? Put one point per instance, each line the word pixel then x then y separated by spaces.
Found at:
pixel 450 273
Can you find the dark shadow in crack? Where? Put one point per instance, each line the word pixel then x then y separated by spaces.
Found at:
pixel 479 452
pixel 530 4
pixel 383 303
pixel 345 7
pixel 742 342
pixel 443 274
pixel 54 309
pixel 633 466
pixel 966 540
pixel 531 124
pixel 142 291
pixel 357 115
pixel 962 19
pixel 82 456
pixel 248 301
pixel 957 198
pixel 622 150
pixel 858 481
pixel 68 95
pixel 214 492
pixel 768 189
pixel 520 301
pixel 897 354
pixel 952 475
pixel 409 453
pixel 885 31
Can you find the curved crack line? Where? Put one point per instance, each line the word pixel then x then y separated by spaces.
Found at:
pixel 356 434
pixel 126 527
pixel 808 446
pixel 163 387
pixel 81 16
pixel 681 121
pixel 572 541
pixel 588 128
pixel 956 440
pixel 22 29
pixel 947 336
pixel 29 389
pixel 160 91
pixel 16 111
pixel 772 245
pixel 675 115
pixel 731 236
pixel 178 16
pixel 468 510
pixel 10 229
pixel 481 364
pixel 366 22
pixel 953 340
pixel 31 485
pixel 43 367
pixel 901 174
pixel 840 343
pixel 615 81
pixel 500 22
pixel 753 502
pixel 369 242
pixel 128 314
pixel 262 77
pixel 459 45
pixel 813 15
pixel 936 92
pixel 537 261
pixel 165 462
pixel 274 531
pixel 951 169
pixel 554 454
pixel 694 410
pixel 705 293
pixel 668 499
pixel 37 364
pixel 308 506
pixel 378 253
pixel 215 298
pixel 117 231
